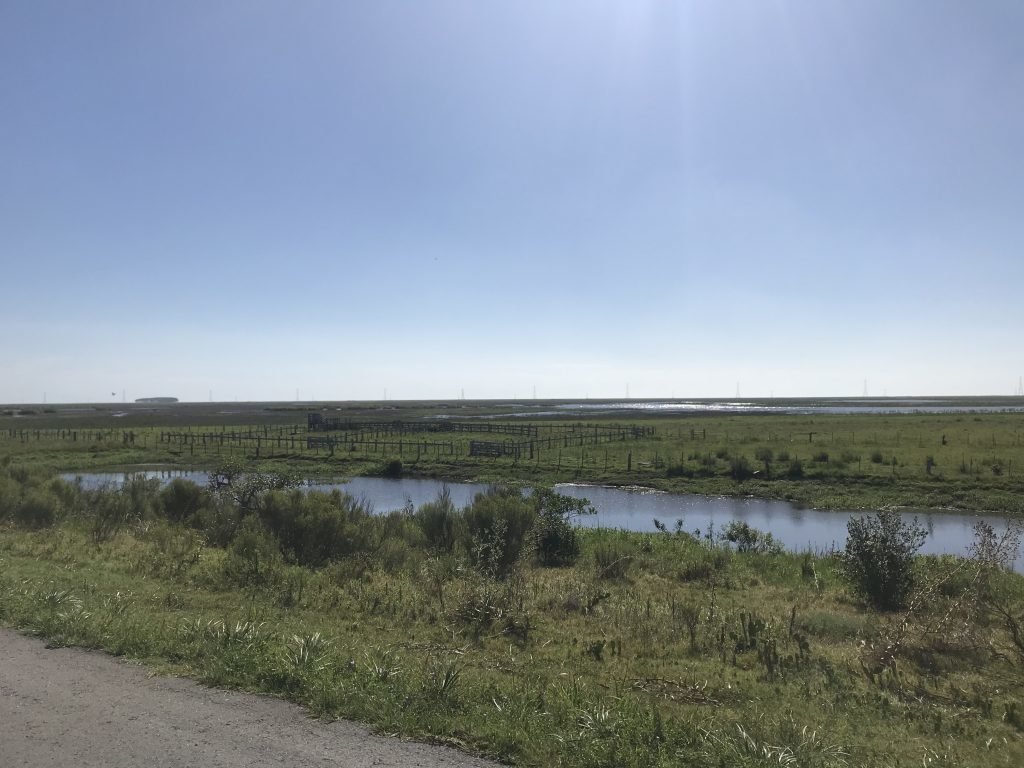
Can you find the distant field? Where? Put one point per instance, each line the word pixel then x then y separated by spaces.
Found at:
pixel 971 459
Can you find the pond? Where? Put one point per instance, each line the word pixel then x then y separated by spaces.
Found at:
pixel 635 509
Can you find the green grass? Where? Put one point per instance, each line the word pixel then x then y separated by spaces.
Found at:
pixel 970 461
pixel 650 650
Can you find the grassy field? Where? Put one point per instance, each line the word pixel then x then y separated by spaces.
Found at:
pixel 488 629
pixel 969 461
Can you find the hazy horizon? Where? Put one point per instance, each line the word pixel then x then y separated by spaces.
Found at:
pixel 114 401
pixel 581 197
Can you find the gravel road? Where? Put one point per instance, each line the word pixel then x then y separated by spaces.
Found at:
pixel 70 707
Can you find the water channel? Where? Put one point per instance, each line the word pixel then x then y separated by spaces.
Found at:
pixel 635 509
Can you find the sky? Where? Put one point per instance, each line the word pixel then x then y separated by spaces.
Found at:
pixel 253 200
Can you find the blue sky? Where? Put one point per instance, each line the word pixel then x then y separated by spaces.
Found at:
pixel 254 198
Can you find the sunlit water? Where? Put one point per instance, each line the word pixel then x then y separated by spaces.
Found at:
pixel 693 407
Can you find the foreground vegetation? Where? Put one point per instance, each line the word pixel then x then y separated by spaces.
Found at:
pixel 966 461
pixel 503 629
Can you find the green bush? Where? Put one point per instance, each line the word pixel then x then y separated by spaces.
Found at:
pixel 68 494
pixel 218 520
pixel 392 468
pixel 37 509
pixel 440 522
pixel 181 499
pixel 315 528
pixel 879 557
pixel 112 510
pixel 142 496
pixel 497 525
pixel 254 557
pixel 555 537
pixel 749 539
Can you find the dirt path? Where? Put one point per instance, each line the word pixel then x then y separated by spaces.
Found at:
pixel 69 707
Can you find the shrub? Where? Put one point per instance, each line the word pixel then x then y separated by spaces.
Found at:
pixel 229 479
pixel 254 557
pixel 142 497
pixel 113 510
pixel 497 524
pixel 749 539
pixel 69 495
pixel 795 470
pixel 218 521
pixel 181 499
pixel 37 509
pixel 315 528
pixel 392 468
pixel 555 537
pixel 739 468
pixel 876 457
pixel 439 522
pixel 821 457
pixel 879 557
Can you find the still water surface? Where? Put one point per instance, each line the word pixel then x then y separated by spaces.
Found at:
pixel 635 509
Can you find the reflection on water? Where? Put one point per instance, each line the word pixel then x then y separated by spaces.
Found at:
pixel 836 407
pixel 797 528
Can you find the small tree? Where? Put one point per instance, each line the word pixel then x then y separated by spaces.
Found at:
pixel 554 534
pixel 879 557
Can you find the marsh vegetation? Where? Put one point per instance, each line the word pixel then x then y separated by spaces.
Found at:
pixel 501 628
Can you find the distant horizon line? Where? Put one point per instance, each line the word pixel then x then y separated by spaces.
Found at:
pixel 149 401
